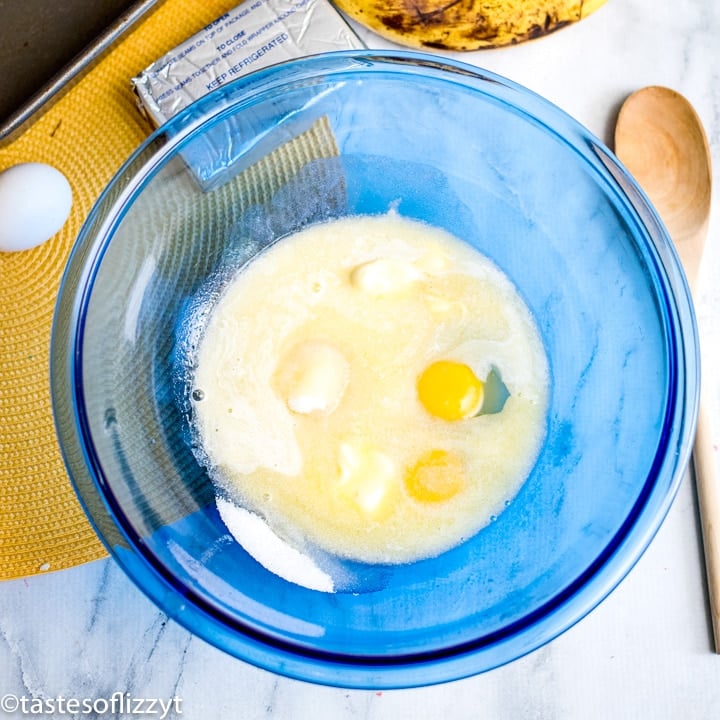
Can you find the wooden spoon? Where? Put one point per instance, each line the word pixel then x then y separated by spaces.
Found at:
pixel 661 141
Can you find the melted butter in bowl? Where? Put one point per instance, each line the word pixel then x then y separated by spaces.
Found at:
pixel 342 377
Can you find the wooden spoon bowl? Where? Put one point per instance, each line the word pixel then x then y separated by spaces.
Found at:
pixel 660 139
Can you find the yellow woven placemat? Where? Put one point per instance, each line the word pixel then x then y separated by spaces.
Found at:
pixel 87 135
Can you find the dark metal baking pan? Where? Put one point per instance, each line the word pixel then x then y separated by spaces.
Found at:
pixel 23 26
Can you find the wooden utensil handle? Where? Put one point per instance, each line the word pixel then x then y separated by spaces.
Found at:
pixel 707 484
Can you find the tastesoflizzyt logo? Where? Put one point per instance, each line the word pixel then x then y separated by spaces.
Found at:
pixel 118 704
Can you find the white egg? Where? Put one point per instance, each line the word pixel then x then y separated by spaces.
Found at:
pixel 35 202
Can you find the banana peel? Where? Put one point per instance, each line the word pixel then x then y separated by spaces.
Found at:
pixel 466 24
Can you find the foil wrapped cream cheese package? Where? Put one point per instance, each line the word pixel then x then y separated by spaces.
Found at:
pixel 254 35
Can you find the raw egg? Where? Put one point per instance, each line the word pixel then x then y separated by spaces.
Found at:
pixel 35 202
pixel 450 390
pixel 438 475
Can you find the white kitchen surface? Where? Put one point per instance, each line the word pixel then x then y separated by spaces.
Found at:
pixel 645 652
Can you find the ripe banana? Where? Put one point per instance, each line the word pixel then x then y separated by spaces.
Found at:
pixel 466 24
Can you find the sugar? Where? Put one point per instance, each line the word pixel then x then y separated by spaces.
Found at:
pixel 273 553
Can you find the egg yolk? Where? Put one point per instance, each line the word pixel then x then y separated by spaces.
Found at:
pixel 450 390
pixel 437 476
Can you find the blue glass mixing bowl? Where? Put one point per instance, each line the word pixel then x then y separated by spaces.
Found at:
pixel 464 150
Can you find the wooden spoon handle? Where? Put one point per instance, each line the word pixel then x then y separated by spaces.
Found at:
pixel 708 492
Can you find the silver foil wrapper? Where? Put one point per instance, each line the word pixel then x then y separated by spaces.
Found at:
pixel 254 35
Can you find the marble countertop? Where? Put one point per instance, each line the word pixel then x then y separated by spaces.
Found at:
pixel 645 652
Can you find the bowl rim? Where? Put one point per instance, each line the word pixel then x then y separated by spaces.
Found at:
pixel 571 603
